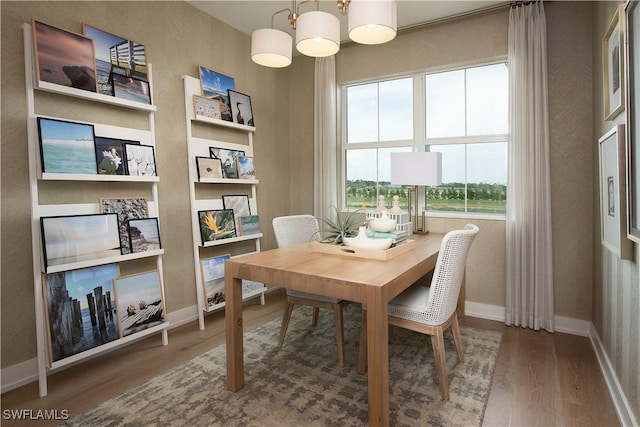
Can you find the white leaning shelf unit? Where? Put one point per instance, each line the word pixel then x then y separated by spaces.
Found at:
pixel 147 137
pixel 199 147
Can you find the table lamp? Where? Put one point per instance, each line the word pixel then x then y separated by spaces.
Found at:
pixel 416 168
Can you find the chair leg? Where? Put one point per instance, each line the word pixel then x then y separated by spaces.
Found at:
pixel 455 329
pixel 362 351
pixel 314 319
pixel 437 341
pixel 337 313
pixel 285 324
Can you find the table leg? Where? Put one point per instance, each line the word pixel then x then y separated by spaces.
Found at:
pixel 378 358
pixel 233 324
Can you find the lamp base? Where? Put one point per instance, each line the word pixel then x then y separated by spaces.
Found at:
pixel 420 231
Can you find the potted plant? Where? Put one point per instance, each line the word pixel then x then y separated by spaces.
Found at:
pixel 345 224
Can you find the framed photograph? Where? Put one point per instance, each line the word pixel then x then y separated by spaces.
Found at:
pixel 228 158
pixel 87 296
pixel 144 235
pixel 131 88
pixel 126 209
pixel 115 53
pixel 239 205
pixel 215 85
pixel 68 239
pixel 64 58
pixel 632 14
pixel 207 107
pixel 613 202
pixel 141 159
pixel 208 167
pixel 216 225
pixel 613 61
pixel 248 225
pixel 245 167
pixel 213 279
pixel 66 147
pixel 241 110
pixel 139 302
pixel 110 155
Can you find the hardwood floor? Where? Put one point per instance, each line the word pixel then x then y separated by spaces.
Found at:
pixel 541 379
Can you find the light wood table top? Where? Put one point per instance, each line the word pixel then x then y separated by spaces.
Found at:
pixel 373 282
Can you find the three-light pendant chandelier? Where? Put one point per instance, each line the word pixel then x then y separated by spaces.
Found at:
pixel 318 33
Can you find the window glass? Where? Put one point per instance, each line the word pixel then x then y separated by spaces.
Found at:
pixel 487 100
pixel 396 110
pixel 445 104
pixel 362 113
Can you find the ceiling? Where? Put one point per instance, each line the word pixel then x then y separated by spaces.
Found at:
pixel 247 16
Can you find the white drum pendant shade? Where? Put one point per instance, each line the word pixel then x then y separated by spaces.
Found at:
pixel 318 34
pixel 271 48
pixel 372 22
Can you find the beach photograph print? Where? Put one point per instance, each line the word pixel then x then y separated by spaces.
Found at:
pixel 115 54
pixel 69 239
pixel 66 147
pixel 141 159
pixel 206 107
pixel 215 85
pixel 110 155
pixel 245 167
pixel 126 209
pixel 241 110
pixel 139 302
pixel 64 58
pixel 228 158
pixel 249 224
pixel 130 88
pixel 80 310
pixel 208 167
pixel 213 279
pixel 216 225
pixel 144 235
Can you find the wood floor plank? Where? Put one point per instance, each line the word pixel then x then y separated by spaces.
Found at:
pixel 541 379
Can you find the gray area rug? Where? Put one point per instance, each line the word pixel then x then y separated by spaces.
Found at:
pixel 302 385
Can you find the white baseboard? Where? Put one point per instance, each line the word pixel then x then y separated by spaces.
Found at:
pixel 620 402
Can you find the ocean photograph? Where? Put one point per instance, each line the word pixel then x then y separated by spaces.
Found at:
pixel 67 147
pixel 215 85
pixel 213 278
pixel 81 310
pixel 144 235
pixel 139 301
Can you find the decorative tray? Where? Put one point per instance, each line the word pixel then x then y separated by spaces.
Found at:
pixel 349 251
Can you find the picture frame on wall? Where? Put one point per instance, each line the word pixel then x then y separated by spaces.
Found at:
pixel 207 107
pixel 110 157
pixel 126 209
pixel 241 111
pixel 216 224
pixel 66 147
pixel 632 57
pixel 613 66
pixel 213 280
pixel 246 170
pixel 613 197
pixel 239 204
pixel 115 54
pixel 249 224
pixel 88 295
pixel 215 85
pixel 131 88
pixel 139 301
pixel 63 57
pixel 74 238
pixel 144 235
pixel 208 167
pixel 228 158
pixel 141 159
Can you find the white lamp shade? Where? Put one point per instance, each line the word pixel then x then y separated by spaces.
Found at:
pixel 317 34
pixel 416 168
pixel 271 48
pixel 372 22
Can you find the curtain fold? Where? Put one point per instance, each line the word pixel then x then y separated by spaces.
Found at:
pixel 529 275
pixel 325 137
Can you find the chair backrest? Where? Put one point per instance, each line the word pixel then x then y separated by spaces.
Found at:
pixel 448 274
pixel 293 229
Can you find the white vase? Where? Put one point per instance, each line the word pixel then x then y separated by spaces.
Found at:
pixel 364 242
pixel 384 224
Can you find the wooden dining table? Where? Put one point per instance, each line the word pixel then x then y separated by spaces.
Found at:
pixel 370 281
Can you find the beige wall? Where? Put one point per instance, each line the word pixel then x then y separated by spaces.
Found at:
pixel 616 291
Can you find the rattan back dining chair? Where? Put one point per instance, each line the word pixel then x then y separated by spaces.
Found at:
pixel 291 230
pixel 431 310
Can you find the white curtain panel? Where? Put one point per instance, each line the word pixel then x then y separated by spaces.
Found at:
pixel 325 163
pixel 529 250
